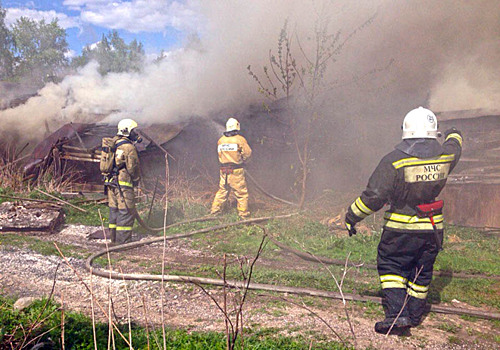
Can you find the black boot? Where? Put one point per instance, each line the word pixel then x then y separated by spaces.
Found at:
pixel 416 309
pixel 393 303
pixel 124 237
pixel 112 235
pixel 401 325
pixel 127 237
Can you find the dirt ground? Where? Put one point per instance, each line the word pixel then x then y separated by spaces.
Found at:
pixel 25 273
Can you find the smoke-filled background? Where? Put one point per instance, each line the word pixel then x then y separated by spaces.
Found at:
pixel 441 54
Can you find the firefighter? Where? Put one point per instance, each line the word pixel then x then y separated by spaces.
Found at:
pixel 234 151
pixel 411 175
pixel 120 185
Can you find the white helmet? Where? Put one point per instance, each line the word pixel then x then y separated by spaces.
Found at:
pixel 420 123
pixel 232 125
pixel 125 126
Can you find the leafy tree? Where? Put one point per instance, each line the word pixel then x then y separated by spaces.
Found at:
pixel 113 55
pixel 40 49
pixel 6 57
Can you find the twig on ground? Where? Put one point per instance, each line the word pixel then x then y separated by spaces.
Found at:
pixel 315 314
pixel 89 290
pixel 234 327
pixel 339 287
pixel 145 318
pixel 37 321
pixel 128 312
pixel 94 335
pixel 167 173
pixel 62 321
pixel 404 303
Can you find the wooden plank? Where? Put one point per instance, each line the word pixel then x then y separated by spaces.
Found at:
pixel 61 200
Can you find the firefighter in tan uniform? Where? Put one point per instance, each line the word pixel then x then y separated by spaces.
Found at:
pixel 121 183
pixel 234 151
pixel 408 179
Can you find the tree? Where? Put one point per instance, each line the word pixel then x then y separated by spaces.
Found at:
pixel 6 57
pixel 40 50
pixel 113 55
pixel 304 88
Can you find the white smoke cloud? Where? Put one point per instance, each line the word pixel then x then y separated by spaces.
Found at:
pixel 442 52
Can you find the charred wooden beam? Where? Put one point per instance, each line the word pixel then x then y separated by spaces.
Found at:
pixel 80 158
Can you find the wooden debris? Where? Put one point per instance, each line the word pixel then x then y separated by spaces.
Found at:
pixel 30 217
pixel 61 200
pixel 29 199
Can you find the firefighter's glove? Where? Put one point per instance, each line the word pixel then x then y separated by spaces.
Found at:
pixel 135 183
pixel 349 225
pixel 452 131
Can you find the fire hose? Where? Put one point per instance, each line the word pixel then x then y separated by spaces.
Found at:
pixel 308 257
pixel 240 284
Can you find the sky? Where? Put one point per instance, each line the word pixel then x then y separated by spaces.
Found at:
pixel 158 24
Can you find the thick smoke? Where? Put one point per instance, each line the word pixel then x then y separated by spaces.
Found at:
pixel 443 54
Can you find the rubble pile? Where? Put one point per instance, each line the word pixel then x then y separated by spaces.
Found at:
pixel 30 217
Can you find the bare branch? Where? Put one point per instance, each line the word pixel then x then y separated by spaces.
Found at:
pixel 90 291
pixel 405 302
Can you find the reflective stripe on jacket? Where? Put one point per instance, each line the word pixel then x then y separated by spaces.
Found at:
pixel 404 181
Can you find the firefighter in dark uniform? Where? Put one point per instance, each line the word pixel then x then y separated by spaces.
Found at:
pixel 120 185
pixel 410 176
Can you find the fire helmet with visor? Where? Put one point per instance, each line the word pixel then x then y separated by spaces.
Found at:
pixel 125 127
pixel 420 123
pixel 232 125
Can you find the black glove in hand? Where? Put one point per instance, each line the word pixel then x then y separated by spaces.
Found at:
pixel 135 183
pixel 452 131
pixel 349 225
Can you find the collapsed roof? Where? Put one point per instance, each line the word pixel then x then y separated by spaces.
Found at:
pixel 77 146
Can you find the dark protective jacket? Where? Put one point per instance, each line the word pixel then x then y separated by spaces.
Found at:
pixel 414 173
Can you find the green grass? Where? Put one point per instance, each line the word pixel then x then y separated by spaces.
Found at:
pixel 78 333
pixel 475 291
pixel 449 327
pixel 306 234
pixel 452 339
pixel 471 252
pixel 90 218
pixel 465 250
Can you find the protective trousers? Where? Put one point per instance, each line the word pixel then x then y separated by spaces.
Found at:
pixel 236 181
pixel 405 263
pixel 121 201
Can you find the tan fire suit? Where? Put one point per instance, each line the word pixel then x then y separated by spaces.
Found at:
pixel 120 185
pixel 233 150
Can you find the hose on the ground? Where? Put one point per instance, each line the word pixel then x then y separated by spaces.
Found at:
pixel 309 257
pixel 253 286
pixel 260 188
pixel 159 229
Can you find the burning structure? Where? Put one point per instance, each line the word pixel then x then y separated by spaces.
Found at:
pixel 373 82
pixel 472 192
pixel 74 150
